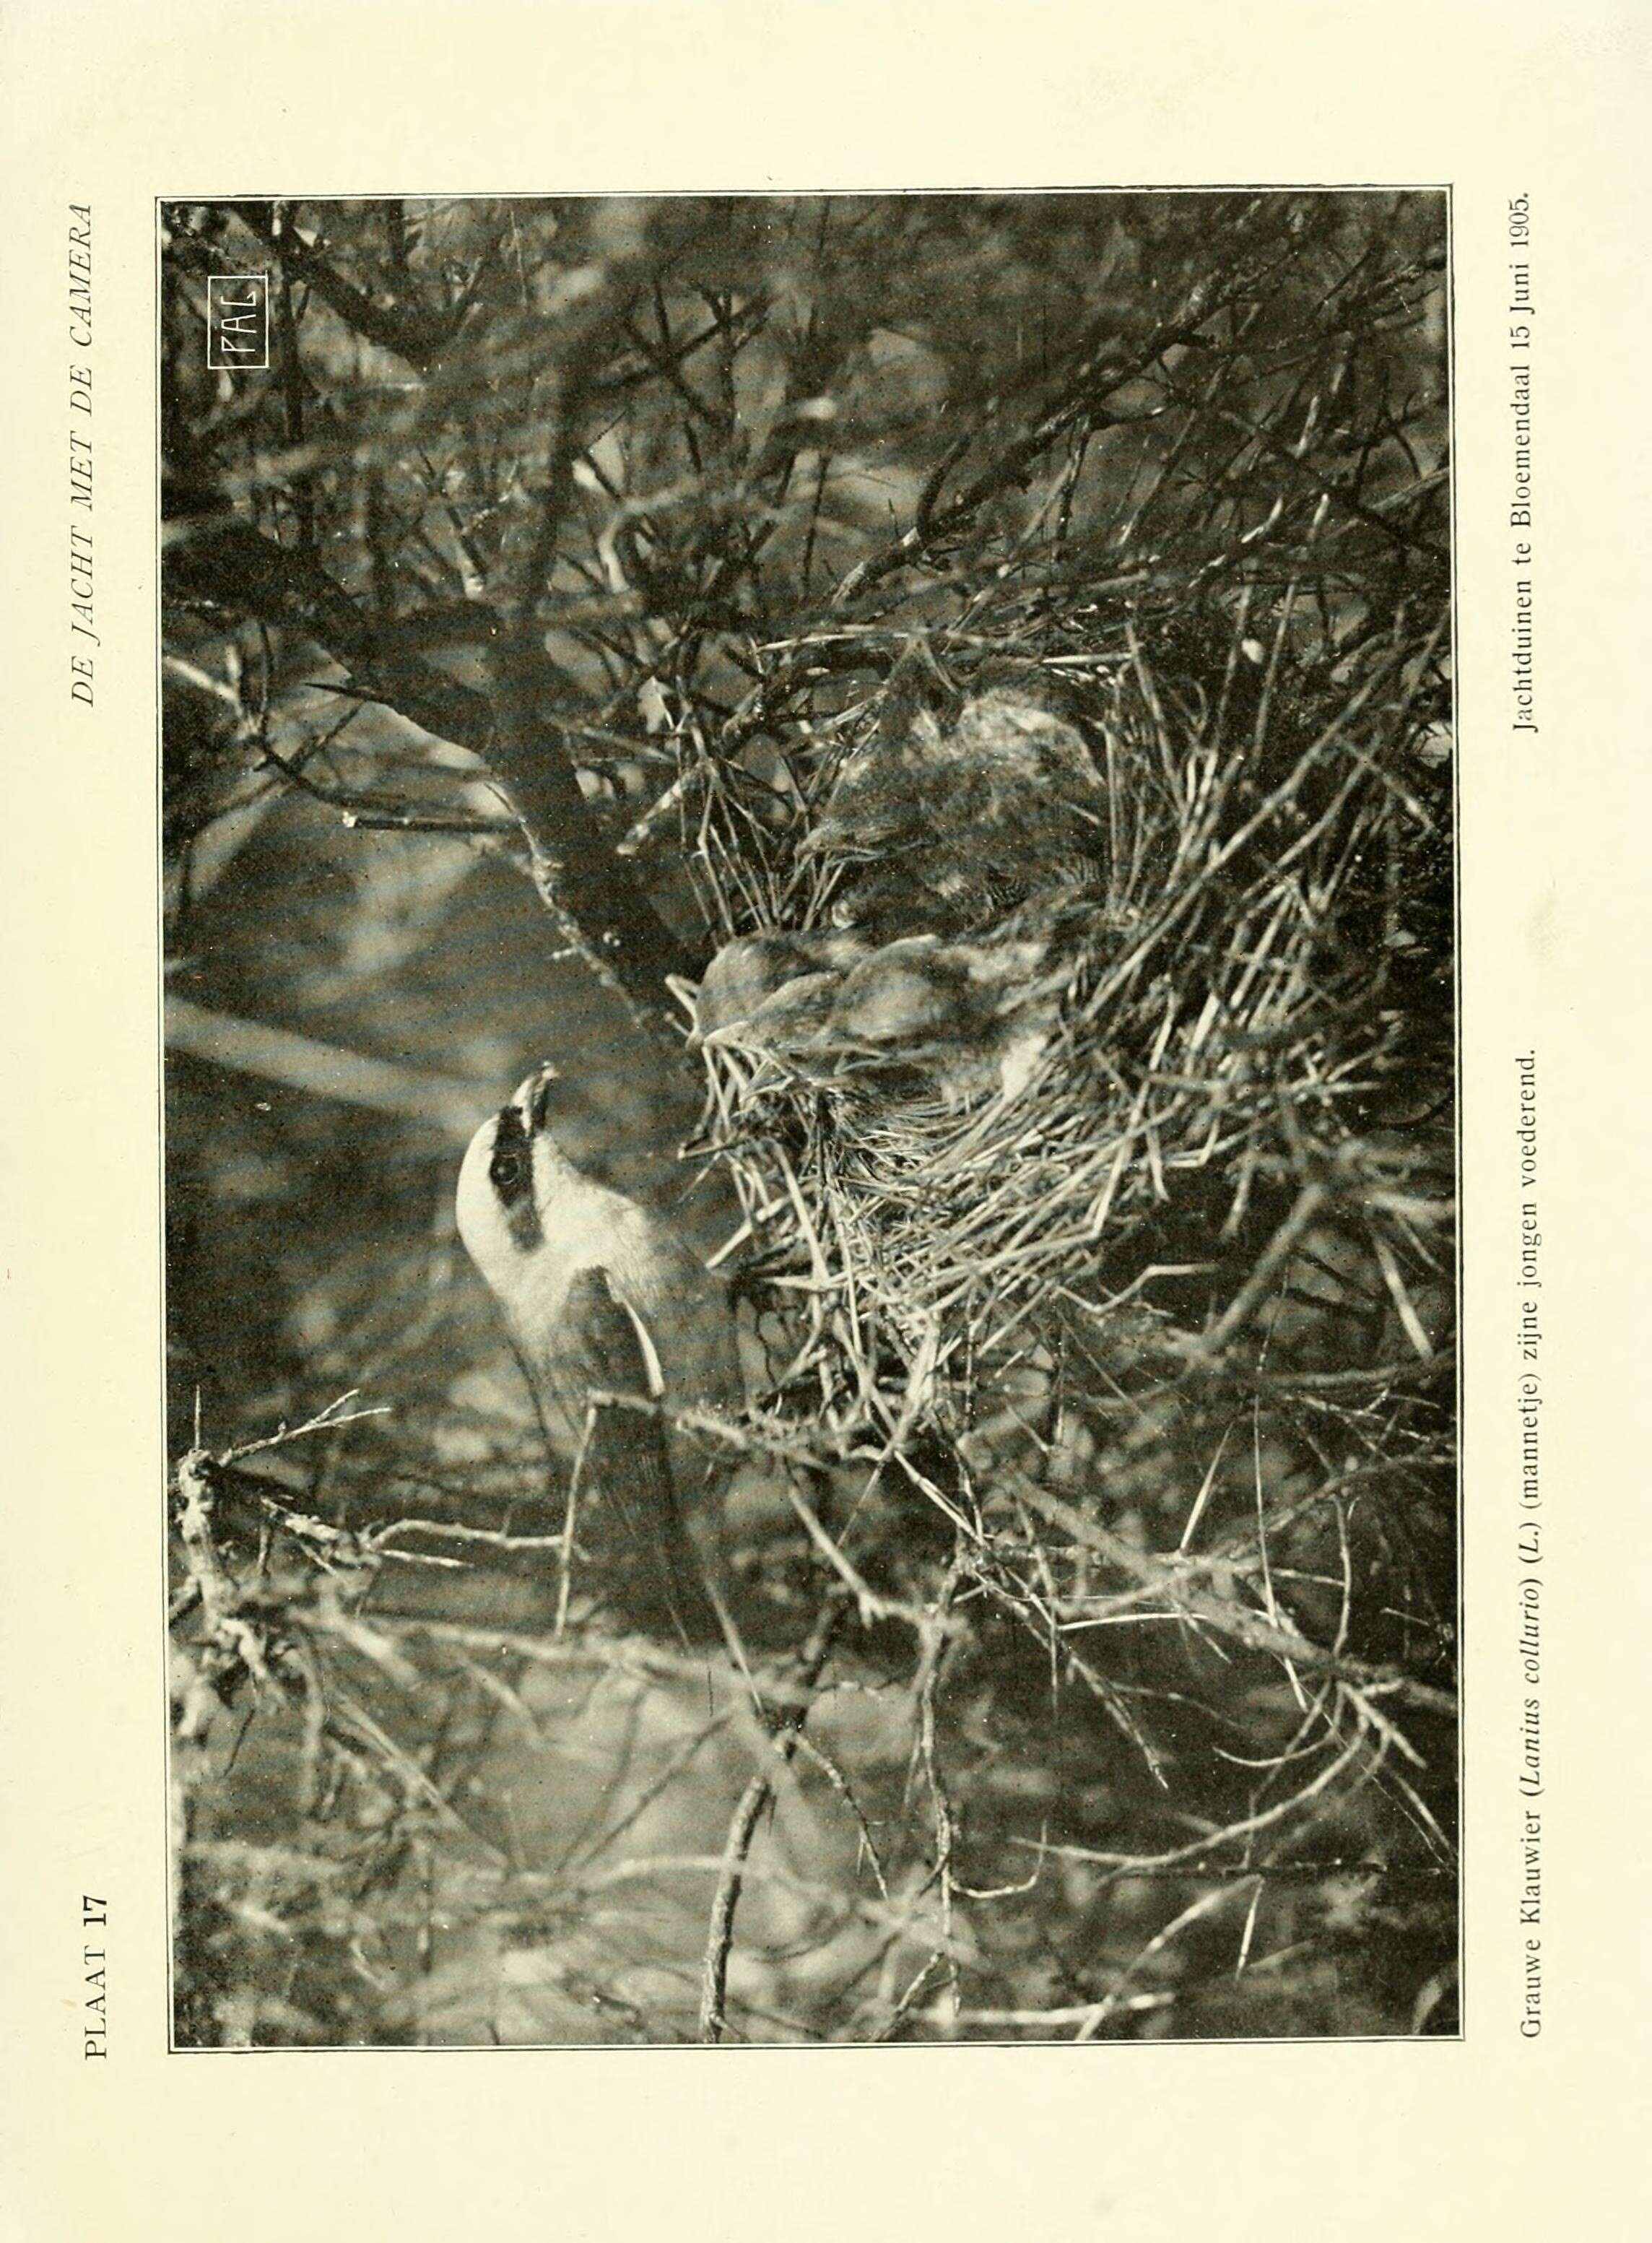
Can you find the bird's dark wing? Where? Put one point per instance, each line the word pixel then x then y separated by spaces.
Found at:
pixel 626 1485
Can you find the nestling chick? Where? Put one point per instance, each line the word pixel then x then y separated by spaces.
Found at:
pixel 600 1294
pixel 749 971
pixel 886 797
pixel 788 1028
pixel 972 1015
pixel 951 828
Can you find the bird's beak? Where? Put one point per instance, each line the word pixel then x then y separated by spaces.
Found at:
pixel 533 1098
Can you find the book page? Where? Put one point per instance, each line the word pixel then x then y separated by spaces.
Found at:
pixel 1132 536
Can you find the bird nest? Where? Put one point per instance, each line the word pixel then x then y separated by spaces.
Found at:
pixel 1093 1036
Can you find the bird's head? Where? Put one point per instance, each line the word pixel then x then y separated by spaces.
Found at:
pixel 510 1168
pixel 746 974
pixel 742 975
pixel 910 989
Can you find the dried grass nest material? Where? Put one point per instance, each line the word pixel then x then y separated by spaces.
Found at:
pixel 1225 1009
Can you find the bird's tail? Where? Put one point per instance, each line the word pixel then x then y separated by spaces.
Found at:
pixel 623 1496
pixel 656 1579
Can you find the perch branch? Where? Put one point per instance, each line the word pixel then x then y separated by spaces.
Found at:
pixel 595 893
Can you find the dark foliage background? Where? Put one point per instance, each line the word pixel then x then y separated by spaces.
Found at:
pixel 1099 1490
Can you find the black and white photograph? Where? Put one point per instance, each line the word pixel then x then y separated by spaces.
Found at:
pixel 808 889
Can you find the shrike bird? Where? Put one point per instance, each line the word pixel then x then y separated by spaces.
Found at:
pixel 602 1297
pixel 941 831
pixel 748 975
pixel 974 1016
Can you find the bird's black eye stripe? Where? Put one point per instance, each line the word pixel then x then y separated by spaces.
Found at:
pixel 510 1171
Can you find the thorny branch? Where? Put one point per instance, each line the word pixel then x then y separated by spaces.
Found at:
pixel 596 893
pixel 783 1724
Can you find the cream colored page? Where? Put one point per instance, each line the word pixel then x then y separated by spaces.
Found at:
pixel 1536 118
